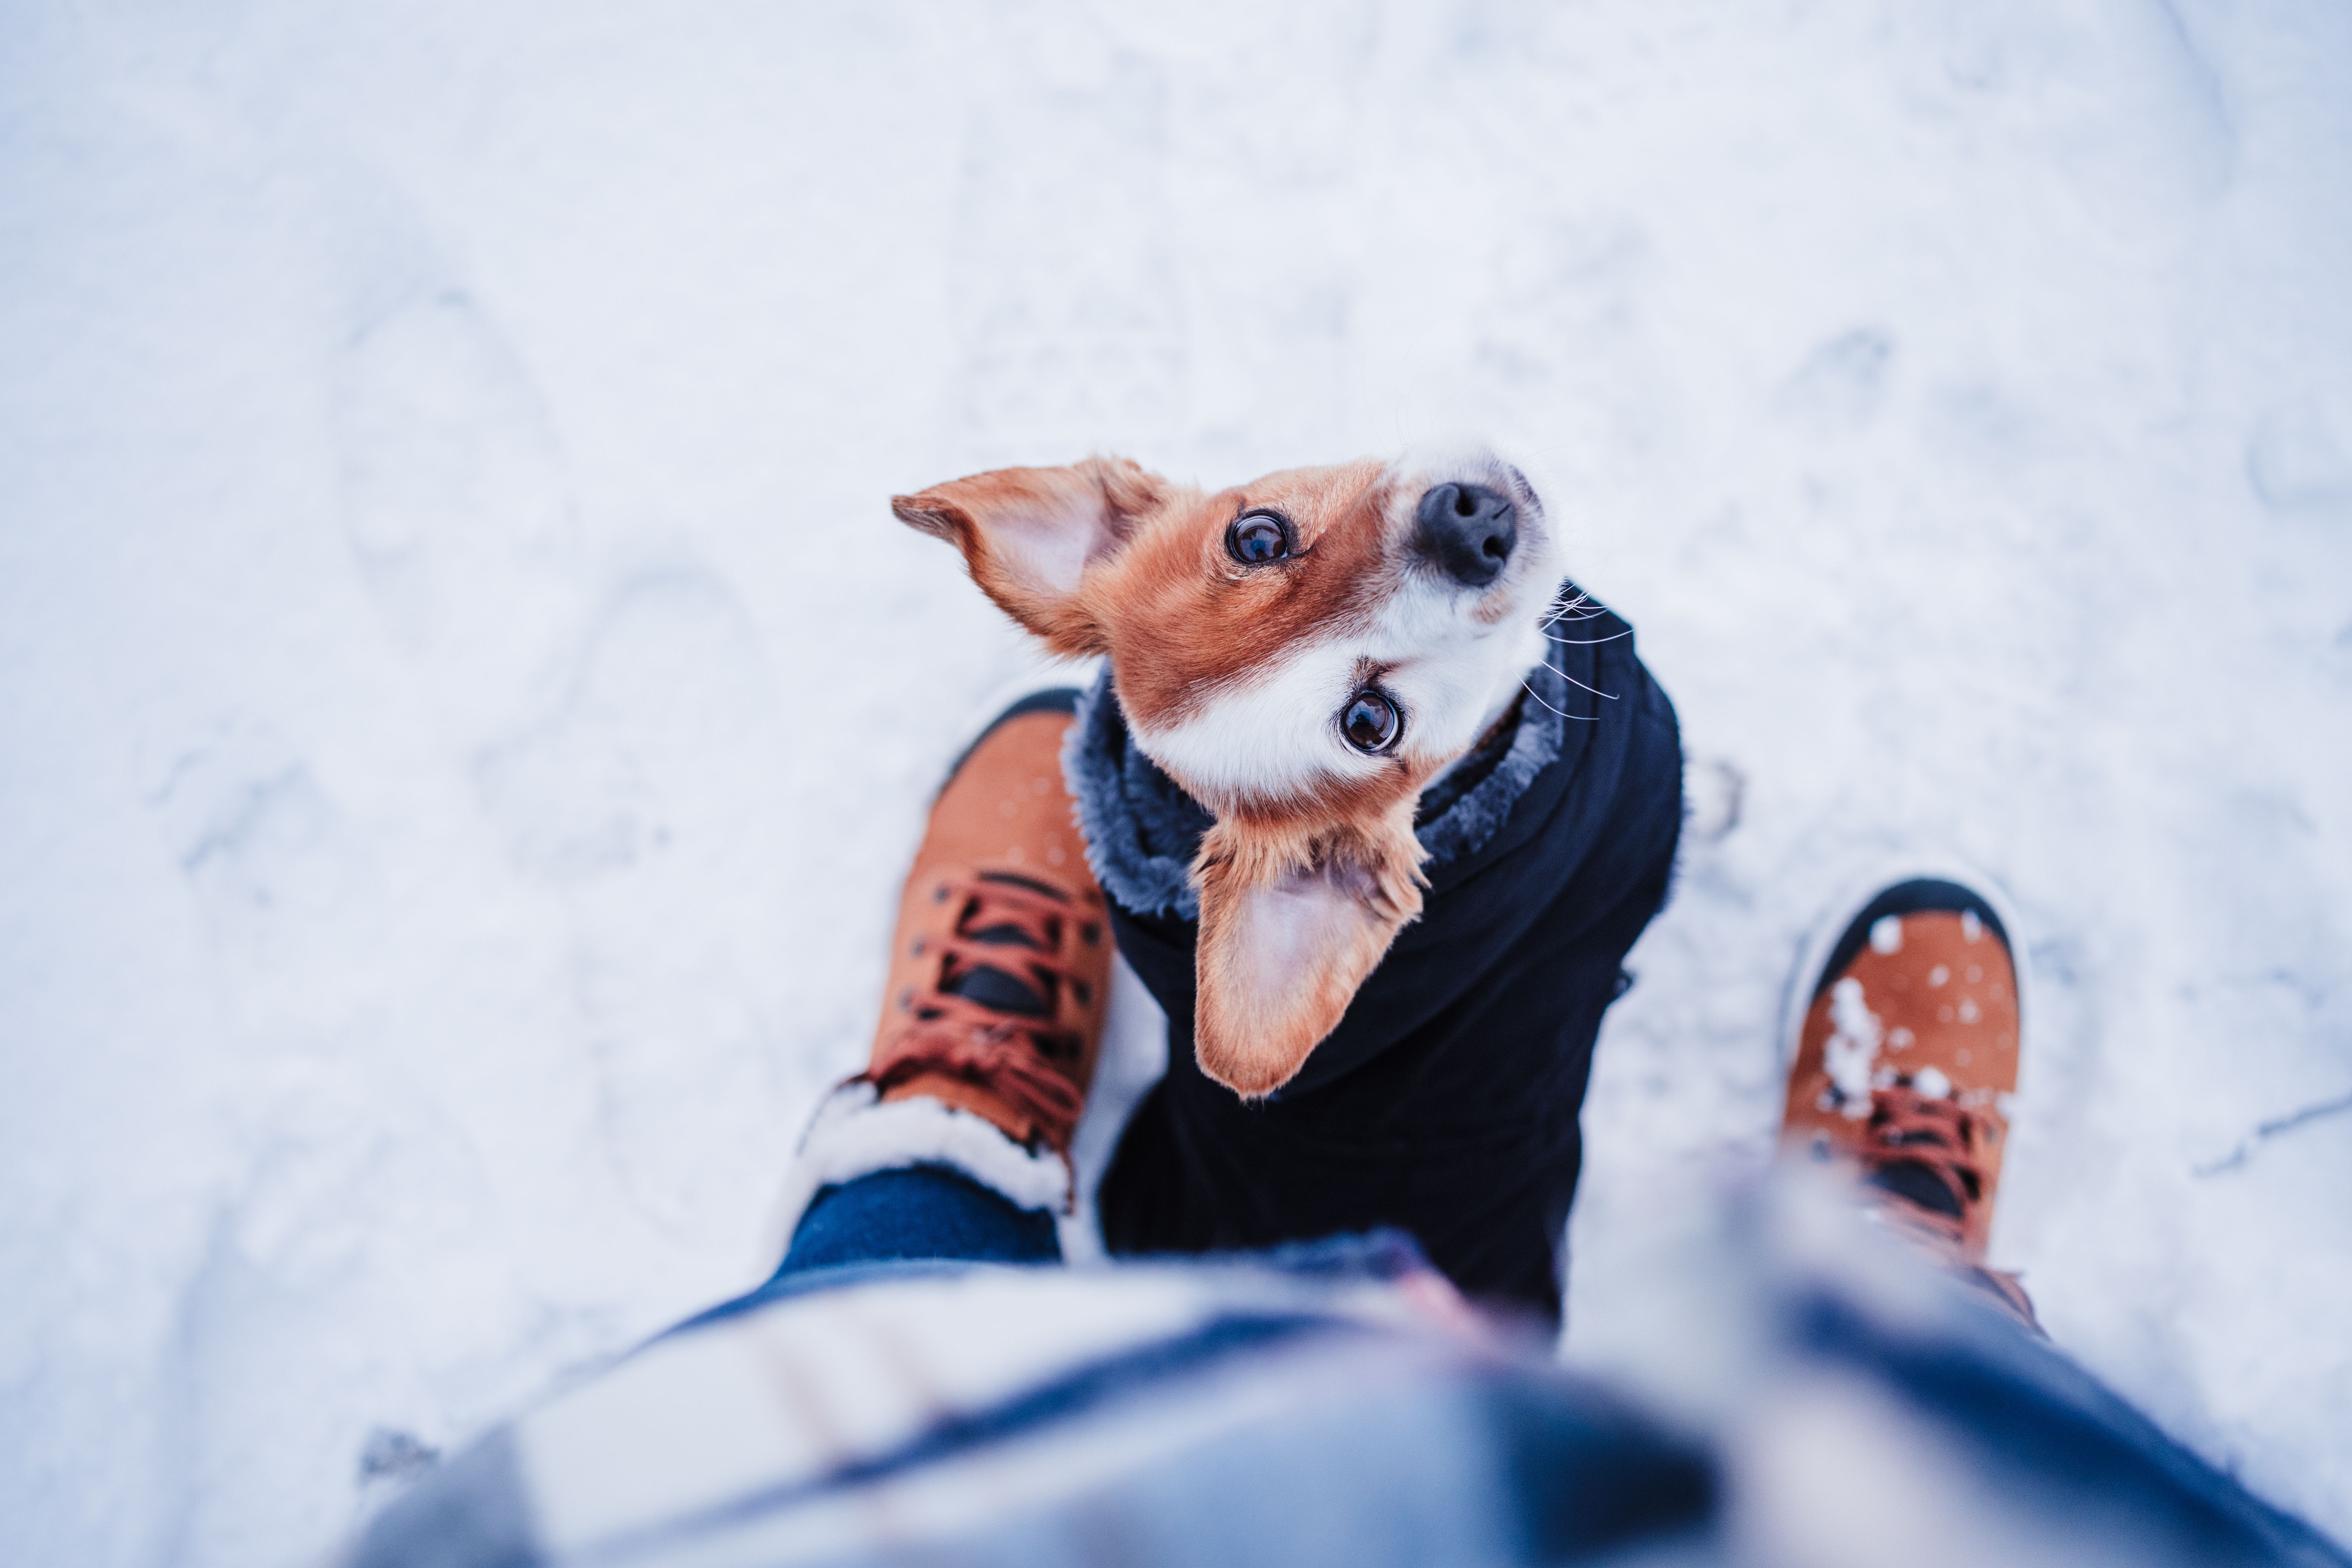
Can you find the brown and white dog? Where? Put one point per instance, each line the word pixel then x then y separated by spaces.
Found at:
pixel 1303 654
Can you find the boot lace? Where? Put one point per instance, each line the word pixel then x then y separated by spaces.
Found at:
pixel 1926 1151
pixel 1000 1040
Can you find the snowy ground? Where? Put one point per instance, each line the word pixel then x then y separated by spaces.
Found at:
pixel 463 701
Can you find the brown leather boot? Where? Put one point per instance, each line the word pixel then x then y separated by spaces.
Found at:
pixel 1904 1064
pixel 1001 967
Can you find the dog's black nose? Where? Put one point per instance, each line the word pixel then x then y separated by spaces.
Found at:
pixel 1469 531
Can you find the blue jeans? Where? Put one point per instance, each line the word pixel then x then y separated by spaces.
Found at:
pixel 923 1212
pixel 893 1224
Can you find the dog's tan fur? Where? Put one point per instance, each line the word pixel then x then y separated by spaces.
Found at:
pixel 1251 1035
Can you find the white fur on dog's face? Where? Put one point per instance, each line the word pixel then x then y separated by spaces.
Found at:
pixel 1452 660
pixel 1233 675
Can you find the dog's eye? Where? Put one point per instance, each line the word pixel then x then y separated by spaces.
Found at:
pixel 1370 722
pixel 1256 537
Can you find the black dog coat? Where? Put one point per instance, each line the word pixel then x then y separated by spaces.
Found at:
pixel 1445 1101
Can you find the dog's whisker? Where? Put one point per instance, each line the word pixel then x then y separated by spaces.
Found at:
pixel 1607 696
pixel 1580 718
pixel 1588 642
pixel 1560 612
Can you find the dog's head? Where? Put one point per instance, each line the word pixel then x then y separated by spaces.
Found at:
pixel 1303 654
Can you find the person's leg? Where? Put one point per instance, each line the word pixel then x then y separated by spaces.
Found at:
pixel 2009 1416
pixel 1901 1061
pixel 906 1220
pixel 952 1146
pixel 921 1211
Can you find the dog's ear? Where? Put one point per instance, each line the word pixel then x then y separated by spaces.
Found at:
pixel 1288 931
pixel 1029 536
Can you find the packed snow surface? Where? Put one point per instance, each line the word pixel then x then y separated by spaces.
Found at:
pixel 464 704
